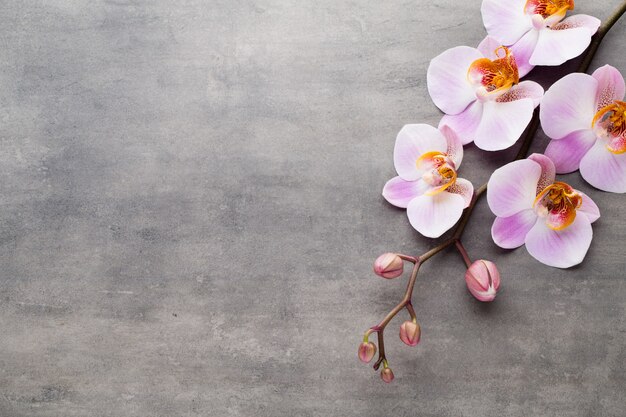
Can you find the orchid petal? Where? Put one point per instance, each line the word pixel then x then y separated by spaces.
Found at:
pixel 554 47
pixel 400 192
pixel 433 215
pixel 510 232
pixel 568 105
pixel 579 21
pixel 505 20
pixel 512 188
pixel 603 169
pixel 525 89
pixel 488 47
pixel 412 142
pixel 466 122
pixel 562 248
pixel 588 207
pixel 548 171
pixel 502 123
pixel 523 50
pixel 610 86
pixel 455 146
pixel 464 188
pixel 446 79
pixel 567 152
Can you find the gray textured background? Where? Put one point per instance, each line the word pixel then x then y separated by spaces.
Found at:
pixel 191 206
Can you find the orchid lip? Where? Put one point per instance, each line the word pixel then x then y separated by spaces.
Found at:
pixel 557 204
pixel 609 123
pixel 492 78
pixel 440 171
pixel 549 8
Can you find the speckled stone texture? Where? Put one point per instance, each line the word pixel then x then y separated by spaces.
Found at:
pixel 191 208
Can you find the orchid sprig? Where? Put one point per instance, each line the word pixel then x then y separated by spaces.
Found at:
pixel 482 277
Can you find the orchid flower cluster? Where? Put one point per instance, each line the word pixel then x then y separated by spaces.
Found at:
pixel 484 101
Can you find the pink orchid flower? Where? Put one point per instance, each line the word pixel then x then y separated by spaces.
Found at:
pixel 427 185
pixel 536 31
pixel 550 217
pixel 480 92
pixel 586 118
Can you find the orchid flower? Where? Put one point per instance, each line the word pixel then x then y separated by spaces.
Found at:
pixel 480 92
pixel 427 160
pixel 586 119
pixel 536 32
pixel 550 217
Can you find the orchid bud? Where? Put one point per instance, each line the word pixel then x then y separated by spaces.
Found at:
pixel 386 374
pixel 483 280
pixel 367 350
pixel 388 265
pixel 410 333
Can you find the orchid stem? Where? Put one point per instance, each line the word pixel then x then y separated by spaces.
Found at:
pixel 463 253
pixel 411 311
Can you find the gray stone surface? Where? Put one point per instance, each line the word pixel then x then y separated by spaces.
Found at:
pixel 191 207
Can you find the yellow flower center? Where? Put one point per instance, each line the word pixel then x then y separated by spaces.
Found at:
pixel 439 171
pixel 494 76
pixel 609 123
pixel 557 203
pixel 547 8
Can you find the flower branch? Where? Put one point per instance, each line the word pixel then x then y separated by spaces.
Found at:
pixel 437 169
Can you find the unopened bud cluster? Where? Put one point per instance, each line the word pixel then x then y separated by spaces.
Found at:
pixel 390 265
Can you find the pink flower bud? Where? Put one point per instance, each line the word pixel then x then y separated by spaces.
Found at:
pixel 410 333
pixel 388 265
pixel 367 350
pixel 483 280
pixel 387 375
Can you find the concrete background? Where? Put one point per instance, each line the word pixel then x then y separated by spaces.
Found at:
pixel 191 207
